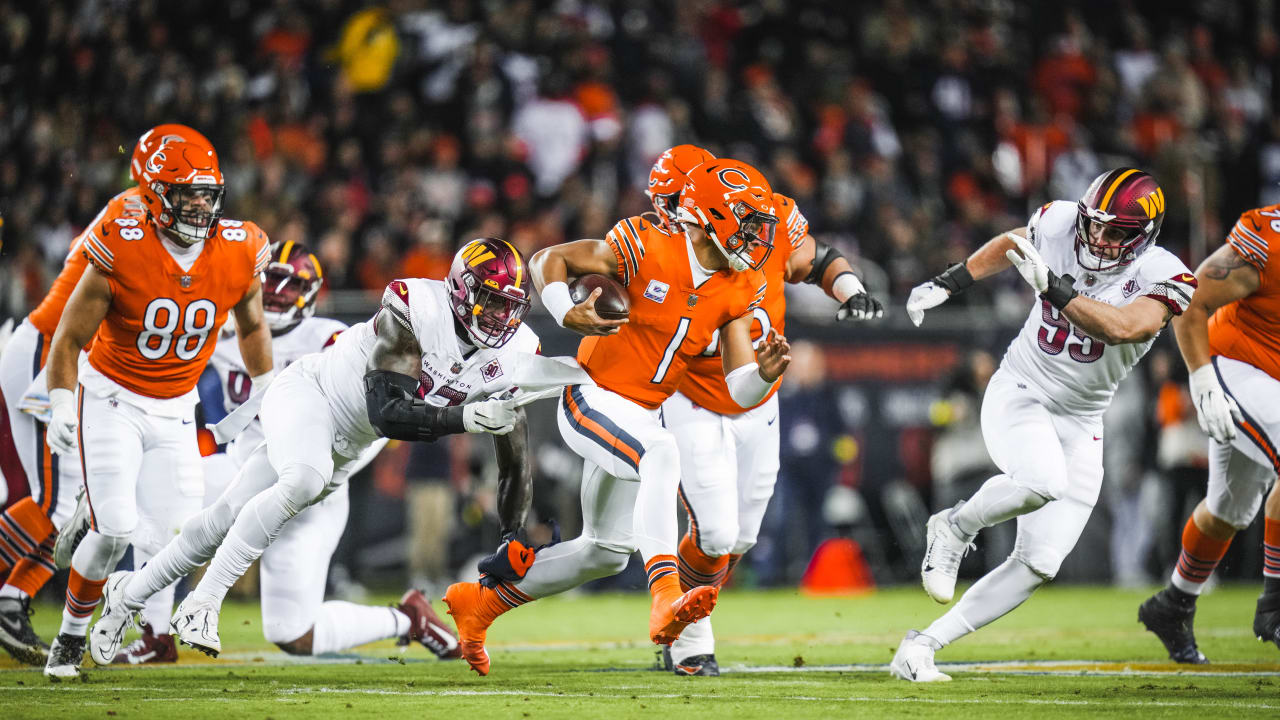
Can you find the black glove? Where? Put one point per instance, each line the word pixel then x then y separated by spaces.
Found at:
pixel 860 307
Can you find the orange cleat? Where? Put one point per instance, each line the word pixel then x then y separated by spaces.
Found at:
pixel 668 619
pixel 474 607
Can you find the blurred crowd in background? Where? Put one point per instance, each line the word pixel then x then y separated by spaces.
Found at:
pixel 383 135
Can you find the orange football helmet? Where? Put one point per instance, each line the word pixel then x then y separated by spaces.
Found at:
pixel 183 189
pixel 151 141
pixel 733 204
pixel 667 177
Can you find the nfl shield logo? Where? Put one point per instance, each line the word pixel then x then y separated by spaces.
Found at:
pixel 185 281
pixel 491 371
pixel 693 300
pixel 457 368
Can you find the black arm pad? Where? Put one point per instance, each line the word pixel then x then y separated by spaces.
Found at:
pixel 955 278
pixel 823 256
pixel 396 412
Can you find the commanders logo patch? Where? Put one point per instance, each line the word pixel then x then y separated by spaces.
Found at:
pixel 1130 287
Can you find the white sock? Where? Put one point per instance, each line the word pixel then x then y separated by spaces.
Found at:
pixel 994 595
pixel 655 526
pixel 696 639
pixel 569 564
pixel 998 499
pixel 192 547
pixel 342 625
pixel 9 591
pixel 158 608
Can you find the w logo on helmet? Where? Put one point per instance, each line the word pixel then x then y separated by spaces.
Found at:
pixel 1153 203
pixel 477 253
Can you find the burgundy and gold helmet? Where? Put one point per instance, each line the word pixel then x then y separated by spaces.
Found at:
pixel 290 284
pixel 1117 219
pixel 489 290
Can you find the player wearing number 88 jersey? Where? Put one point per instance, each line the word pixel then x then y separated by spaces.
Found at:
pixel 159 286
pixel 1105 293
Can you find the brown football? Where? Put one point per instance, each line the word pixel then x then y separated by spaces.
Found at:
pixel 613 303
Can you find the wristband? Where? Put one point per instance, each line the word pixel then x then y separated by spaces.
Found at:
pixel 1060 291
pixel 955 278
pixel 258 383
pixel 555 298
pixel 846 285
pixel 61 396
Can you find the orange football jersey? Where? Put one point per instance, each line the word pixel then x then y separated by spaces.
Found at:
pixel 46 315
pixel 163 321
pixel 1248 329
pixel 704 384
pixel 671 320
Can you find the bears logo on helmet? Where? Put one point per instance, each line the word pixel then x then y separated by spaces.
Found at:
pixel 154 139
pixel 489 290
pixel 733 204
pixel 1117 219
pixel 290 285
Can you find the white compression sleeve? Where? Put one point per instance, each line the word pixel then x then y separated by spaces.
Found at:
pixel 746 387
pixel 555 298
pixel 846 286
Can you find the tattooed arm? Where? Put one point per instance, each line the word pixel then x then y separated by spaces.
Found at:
pixel 1224 277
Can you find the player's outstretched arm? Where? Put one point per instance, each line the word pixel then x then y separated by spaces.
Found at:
pixel 986 261
pixel 515 475
pixel 84 312
pixel 751 373
pixel 1139 321
pixel 254 337
pixel 391 391
pixel 551 269
pixel 818 263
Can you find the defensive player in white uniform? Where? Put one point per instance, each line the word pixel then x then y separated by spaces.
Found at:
pixel 1105 292
pixel 433 361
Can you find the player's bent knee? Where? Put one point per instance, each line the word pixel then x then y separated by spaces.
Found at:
pixel 297 646
pixel 607 558
pixel 1048 484
pixel 717 540
pixel 1044 562
pixel 301 485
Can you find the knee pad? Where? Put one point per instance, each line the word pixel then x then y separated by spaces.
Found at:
pixel 300 485
pixel 98 554
pixel 1049 483
pixel 607 558
pixel 718 536
pixel 207 528
pixel 1043 561
pixel 662 453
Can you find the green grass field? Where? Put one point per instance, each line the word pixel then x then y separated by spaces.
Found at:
pixel 784 654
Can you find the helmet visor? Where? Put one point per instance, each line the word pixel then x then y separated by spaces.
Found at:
pixel 196 208
pixel 753 241
pixel 496 315
pixel 282 288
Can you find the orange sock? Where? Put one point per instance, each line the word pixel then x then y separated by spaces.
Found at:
pixel 83 594
pixel 698 568
pixel 728 572
pixel 23 527
pixel 511 597
pixel 664 583
pixel 33 571
pixel 1200 555
pixel 1271 548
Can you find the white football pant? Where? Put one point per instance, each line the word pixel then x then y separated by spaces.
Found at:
pixel 1242 472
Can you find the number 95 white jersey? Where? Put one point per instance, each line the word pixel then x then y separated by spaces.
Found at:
pixel 1072 370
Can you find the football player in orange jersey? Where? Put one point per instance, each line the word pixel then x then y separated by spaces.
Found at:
pixel 1230 341
pixel 728 456
pixel 684 288
pixel 163 278
pixel 29 527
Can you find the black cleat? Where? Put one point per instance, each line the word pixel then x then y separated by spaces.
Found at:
pixel 17 636
pixel 64 657
pixel 695 665
pixel 1266 621
pixel 1172 622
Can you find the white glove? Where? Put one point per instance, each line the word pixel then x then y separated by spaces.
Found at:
pixel 1215 409
pixel 1029 264
pixel 490 416
pixel 61 434
pixel 924 297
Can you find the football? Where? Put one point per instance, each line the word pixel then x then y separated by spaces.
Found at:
pixel 613 303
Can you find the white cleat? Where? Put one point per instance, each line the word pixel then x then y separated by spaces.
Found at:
pixel 944 549
pixel 106 635
pixel 196 624
pixel 914 661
